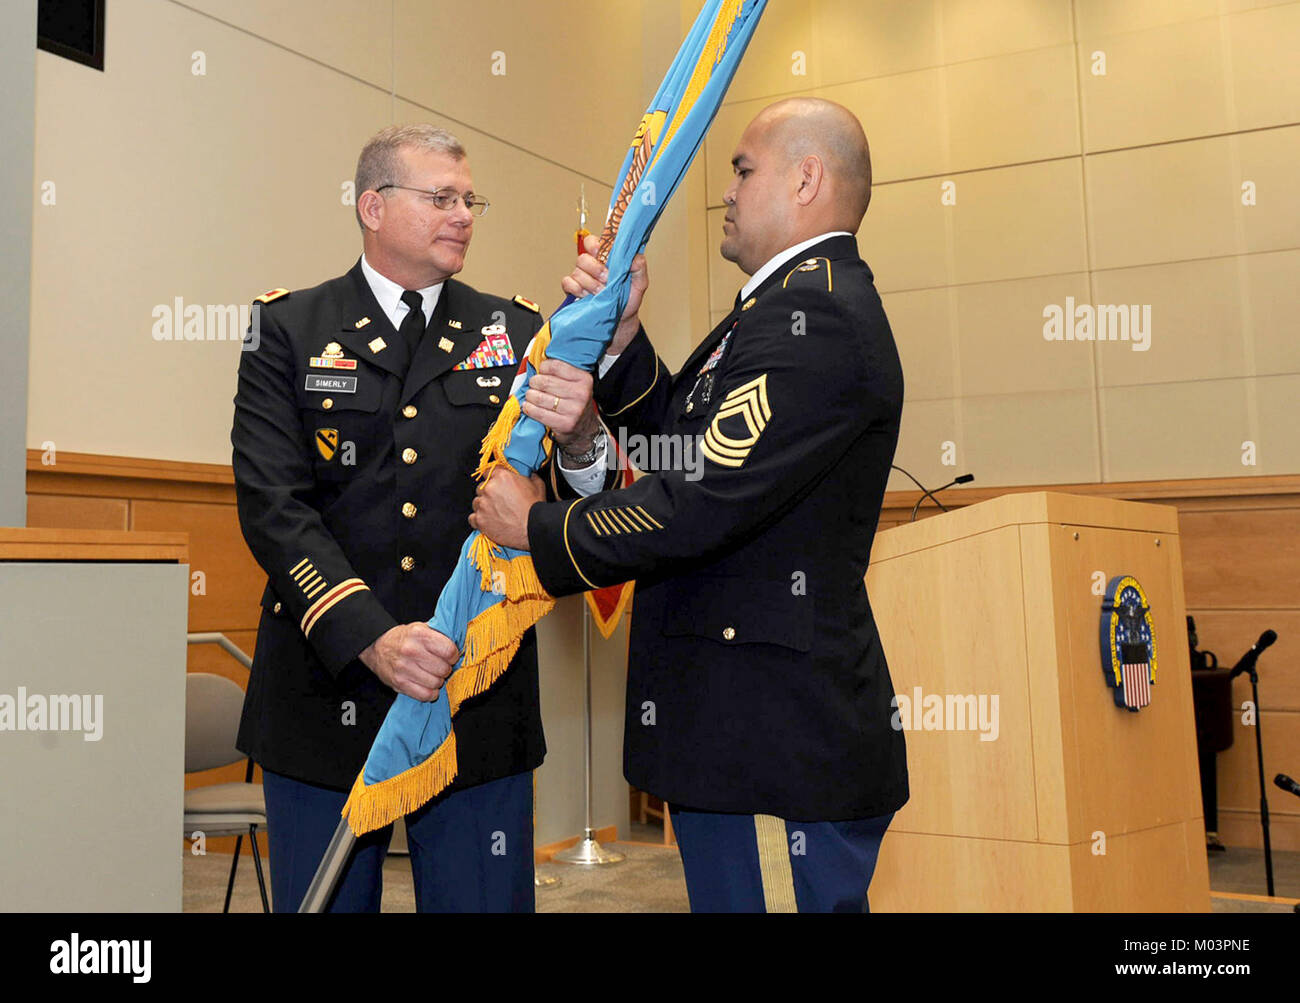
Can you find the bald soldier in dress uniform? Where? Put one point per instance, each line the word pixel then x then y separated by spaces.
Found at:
pixel 758 698
pixel 357 425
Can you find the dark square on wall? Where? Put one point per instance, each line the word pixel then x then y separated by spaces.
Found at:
pixel 73 29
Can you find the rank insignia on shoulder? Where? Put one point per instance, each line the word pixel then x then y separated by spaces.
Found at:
pixel 361 323
pixel 527 304
pixel 274 294
pixel 809 266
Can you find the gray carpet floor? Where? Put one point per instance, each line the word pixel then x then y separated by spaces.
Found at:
pixel 650 880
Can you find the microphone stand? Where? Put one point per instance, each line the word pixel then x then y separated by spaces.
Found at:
pixel 1263 798
pixel 1248 664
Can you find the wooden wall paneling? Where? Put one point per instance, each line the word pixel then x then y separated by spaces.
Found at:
pixel 232 579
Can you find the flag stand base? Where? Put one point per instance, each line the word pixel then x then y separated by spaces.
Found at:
pixel 588 852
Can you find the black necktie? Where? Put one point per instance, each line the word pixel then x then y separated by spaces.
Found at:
pixel 412 328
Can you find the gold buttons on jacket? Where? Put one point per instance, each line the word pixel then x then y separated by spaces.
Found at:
pixel 275 608
pixel 410 411
pixel 494 398
pixel 408 510
pixel 409 456
pixel 729 633
pixel 408 562
pixel 327 403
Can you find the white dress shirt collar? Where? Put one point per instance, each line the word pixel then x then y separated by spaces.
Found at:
pixel 757 278
pixel 389 295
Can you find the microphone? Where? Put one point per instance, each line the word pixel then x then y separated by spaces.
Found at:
pixel 1248 660
pixel 1287 784
pixel 926 493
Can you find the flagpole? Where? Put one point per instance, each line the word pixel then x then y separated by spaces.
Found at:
pixel 329 870
pixel 587 851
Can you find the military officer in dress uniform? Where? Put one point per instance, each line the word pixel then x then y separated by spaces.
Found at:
pixel 759 702
pixel 357 425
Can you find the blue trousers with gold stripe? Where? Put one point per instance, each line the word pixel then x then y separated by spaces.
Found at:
pixel 760 863
pixel 471 851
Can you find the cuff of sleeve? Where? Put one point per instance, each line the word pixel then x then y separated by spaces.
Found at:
pixel 633 373
pixel 553 558
pixel 591 478
pixel 344 622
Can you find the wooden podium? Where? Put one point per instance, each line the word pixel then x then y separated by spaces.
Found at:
pixel 1054 798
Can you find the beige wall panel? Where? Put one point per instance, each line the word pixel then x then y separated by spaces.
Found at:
pixel 924 329
pixel 1174 430
pixel 725 278
pixel 1164 203
pixel 1019 221
pixel 1030 438
pixel 975 29
pixel 1272 297
pixel 1269 159
pixel 786 27
pixel 354 36
pixel 906 236
pixel 1276 399
pixel 1242 559
pixel 1229 633
pixel 1011 109
pixel 925 427
pixel 1111 17
pixel 1263 70
pixel 1162 84
pixel 1196 330
pixel 173 185
pixel 875 38
pixel 905 119
pixel 1000 337
pixel 445 61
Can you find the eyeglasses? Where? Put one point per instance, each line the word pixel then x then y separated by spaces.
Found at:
pixel 446 198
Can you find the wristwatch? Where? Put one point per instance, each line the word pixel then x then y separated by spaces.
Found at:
pixel 587 458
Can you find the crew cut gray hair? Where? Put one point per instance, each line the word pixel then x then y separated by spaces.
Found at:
pixel 380 163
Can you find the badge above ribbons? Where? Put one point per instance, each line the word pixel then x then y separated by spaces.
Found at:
pixel 1128 643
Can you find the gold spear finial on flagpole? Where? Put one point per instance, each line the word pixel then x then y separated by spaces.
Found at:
pixel 583 233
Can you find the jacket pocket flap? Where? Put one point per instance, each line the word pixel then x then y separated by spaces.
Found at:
pixel 740 611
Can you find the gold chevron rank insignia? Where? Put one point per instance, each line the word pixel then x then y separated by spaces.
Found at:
pixel 327 442
pixel 739 422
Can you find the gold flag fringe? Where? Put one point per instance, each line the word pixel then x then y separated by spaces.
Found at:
pixel 372 807
pixel 491 640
